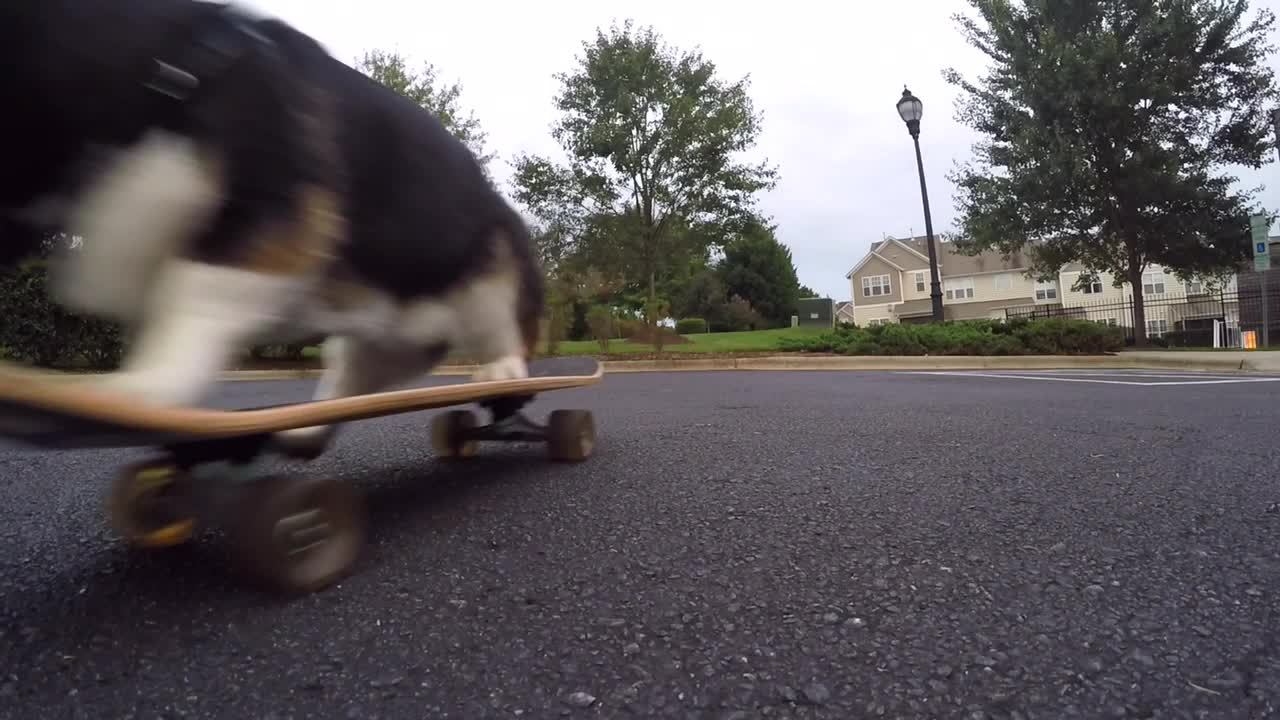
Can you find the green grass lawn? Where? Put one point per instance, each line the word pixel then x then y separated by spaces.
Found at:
pixel 720 343
pixel 727 342
pixel 735 342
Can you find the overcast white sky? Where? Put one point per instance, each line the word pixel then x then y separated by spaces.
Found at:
pixel 825 78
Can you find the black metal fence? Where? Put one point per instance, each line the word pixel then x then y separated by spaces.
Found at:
pixel 1228 318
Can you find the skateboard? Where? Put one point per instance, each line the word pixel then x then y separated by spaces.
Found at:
pixel 296 533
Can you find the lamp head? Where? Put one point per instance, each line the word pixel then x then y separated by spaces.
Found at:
pixel 911 110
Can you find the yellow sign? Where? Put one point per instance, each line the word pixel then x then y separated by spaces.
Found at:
pixel 1250 339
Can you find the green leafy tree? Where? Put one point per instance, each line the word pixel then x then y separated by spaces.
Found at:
pixel 757 267
pixel 693 288
pixel 428 92
pixel 699 294
pixel 1105 124
pixel 560 209
pixel 652 138
pixel 570 294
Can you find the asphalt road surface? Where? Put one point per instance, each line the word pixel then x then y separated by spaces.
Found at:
pixel 742 545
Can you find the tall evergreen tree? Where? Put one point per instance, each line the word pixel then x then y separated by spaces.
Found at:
pixel 757 267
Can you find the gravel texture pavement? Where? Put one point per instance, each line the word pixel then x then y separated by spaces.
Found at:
pixel 742 545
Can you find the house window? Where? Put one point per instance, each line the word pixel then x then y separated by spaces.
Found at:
pixel 959 289
pixel 877 321
pixel 1153 282
pixel 875 285
pixel 1193 287
pixel 1106 321
pixel 1004 281
pixel 1157 327
pixel 1046 290
pixel 920 282
pixel 1092 286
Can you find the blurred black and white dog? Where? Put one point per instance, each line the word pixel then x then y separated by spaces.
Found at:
pixel 233 182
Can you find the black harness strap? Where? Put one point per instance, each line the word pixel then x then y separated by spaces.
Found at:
pixel 217 45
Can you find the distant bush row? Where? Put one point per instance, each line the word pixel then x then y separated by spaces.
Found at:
pixel 38 331
pixel 1049 336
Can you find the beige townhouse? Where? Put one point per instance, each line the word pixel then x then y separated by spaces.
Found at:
pixel 891 284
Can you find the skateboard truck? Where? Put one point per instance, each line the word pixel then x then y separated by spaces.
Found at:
pixel 569 434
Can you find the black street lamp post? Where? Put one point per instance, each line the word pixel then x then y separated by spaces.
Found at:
pixel 911 109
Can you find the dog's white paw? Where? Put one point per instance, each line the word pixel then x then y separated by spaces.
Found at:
pixel 511 367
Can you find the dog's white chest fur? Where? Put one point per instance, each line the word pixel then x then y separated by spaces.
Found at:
pixel 140 208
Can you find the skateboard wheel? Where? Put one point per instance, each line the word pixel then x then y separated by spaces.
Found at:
pixel 449 434
pixel 300 534
pixel 148 506
pixel 571 434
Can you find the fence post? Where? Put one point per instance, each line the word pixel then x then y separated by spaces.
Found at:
pixel 1133 318
pixel 1266 311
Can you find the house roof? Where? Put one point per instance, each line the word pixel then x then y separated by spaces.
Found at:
pixel 950 262
pixel 953 264
pixel 867 258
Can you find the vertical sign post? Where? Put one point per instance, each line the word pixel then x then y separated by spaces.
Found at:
pixel 1261 242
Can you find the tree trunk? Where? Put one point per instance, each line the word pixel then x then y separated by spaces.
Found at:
pixel 1140 338
pixel 651 311
pixel 651 307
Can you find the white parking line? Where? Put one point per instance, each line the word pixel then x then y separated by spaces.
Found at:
pixel 1199 380
pixel 1189 375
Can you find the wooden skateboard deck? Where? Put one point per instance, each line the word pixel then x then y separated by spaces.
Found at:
pixel 64 415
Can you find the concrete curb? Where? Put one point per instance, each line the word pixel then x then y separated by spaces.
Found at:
pixel 791 363
pixel 905 363
pixel 825 363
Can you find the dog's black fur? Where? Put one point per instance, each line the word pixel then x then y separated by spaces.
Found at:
pixel 423 238
pixel 75 73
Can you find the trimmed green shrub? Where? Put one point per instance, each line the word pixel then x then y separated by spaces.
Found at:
pixel 737 315
pixel 1051 336
pixel 600 320
pixel 691 326
pixel 291 352
pixel 1061 336
pixel 36 330
pixel 629 328
pixel 39 331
